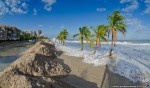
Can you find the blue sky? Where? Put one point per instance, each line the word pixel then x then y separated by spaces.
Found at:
pixel 51 16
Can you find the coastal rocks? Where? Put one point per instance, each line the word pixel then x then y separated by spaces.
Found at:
pixel 36 68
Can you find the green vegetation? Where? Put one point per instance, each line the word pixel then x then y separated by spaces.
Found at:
pixel 63 36
pixel 26 36
pixel 100 33
pixel 44 37
pixel 116 23
pixel 84 34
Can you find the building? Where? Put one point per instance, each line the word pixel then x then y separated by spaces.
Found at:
pixel 29 32
pixel 39 33
pixel 9 32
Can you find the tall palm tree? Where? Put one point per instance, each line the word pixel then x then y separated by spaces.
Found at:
pixel 63 36
pixel 116 23
pixel 100 33
pixel 83 35
pixel 59 37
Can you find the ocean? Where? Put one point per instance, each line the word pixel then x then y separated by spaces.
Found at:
pixel 131 58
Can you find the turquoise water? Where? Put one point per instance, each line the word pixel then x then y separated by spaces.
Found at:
pixel 9 55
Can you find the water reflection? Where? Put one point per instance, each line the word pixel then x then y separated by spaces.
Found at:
pixel 9 55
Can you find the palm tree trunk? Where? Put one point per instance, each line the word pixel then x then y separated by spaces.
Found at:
pixel 114 37
pixel 112 42
pixel 63 42
pixel 95 48
pixel 98 42
pixel 82 46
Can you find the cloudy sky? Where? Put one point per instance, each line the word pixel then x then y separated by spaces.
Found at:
pixel 53 15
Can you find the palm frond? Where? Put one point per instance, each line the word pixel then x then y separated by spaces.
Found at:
pixel 75 35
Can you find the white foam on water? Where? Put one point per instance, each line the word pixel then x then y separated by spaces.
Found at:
pixel 119 43
pixel 71 51
pixel 132 62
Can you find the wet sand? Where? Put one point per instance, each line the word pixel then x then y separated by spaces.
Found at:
pixel 85 75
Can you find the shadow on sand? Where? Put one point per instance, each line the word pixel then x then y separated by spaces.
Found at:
pixel 108 80
pixel 75 81
pixel 59 53
pixel 111 79
pixel 79 82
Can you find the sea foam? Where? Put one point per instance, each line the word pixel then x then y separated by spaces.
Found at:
pixel 130 61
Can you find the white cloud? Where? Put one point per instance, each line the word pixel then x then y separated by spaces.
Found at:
pixel 128 14
pixel 131 7
pixel 34 11
pixel 40 25
pixel 17 10
pixel 20 6
pixel 62 26
pixel 147 10
pixel 136 23
pixel 3 8
pixel 101 9
pixel 48 4
pixel 13 7
pixel 24 5
pixel 147 1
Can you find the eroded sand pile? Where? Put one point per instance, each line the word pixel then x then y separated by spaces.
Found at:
pixel 36 68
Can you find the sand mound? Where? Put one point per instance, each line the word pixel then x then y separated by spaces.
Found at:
pixel 38 65
pixel 45 48
pixel 35 69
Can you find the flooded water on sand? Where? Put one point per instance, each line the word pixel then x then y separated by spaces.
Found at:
pixel 9 55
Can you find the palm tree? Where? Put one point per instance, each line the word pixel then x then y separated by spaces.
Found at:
pixel 59 38
pixel 116 23
pixel 83 34
pixel 63 36
pixel 100 33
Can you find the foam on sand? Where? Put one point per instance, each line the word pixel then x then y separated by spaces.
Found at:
pixel 129 61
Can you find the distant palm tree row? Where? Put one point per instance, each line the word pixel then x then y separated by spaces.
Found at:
pixel 63 36
pixel 116 23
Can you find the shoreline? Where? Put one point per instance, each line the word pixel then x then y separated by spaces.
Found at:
pixel 85 75
pixel 15 45
pixel 129 62
pixel 7 48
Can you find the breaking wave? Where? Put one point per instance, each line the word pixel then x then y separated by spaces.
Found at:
pixel 119 43
pixel 132 62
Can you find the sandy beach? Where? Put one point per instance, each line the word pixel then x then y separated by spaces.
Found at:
pixel 74 44
pixel 65 71
pixel 85 75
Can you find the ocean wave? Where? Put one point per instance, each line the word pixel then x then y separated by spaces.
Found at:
pixel 119 43
pixel 132 63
